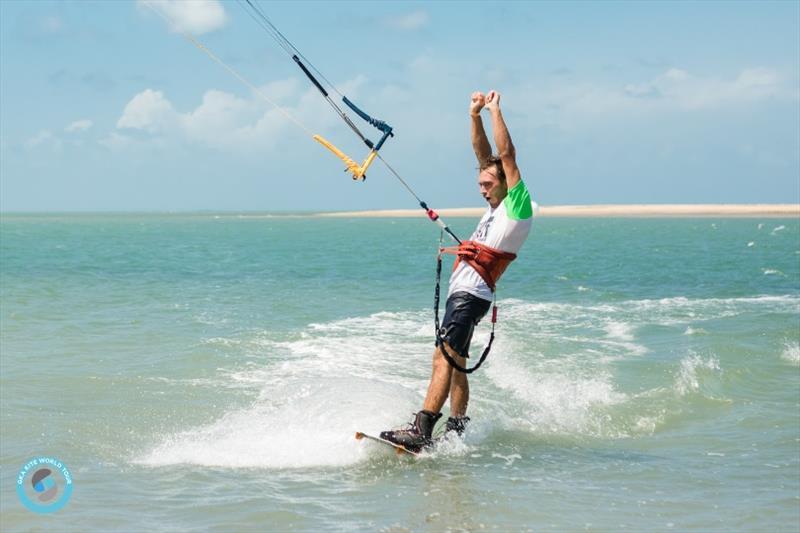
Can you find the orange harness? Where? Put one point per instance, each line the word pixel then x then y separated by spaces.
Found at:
pixel 488 262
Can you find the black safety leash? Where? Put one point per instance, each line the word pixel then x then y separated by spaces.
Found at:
pixel 439 340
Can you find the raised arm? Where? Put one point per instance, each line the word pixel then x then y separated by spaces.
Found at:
pixel 483 150
pixel 505 148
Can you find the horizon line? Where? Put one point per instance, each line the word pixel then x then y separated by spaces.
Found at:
pixel 584 210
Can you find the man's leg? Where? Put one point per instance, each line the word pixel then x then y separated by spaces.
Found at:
pixel 419 435
pixel 441 378
pixel 459 398
pixel 459 391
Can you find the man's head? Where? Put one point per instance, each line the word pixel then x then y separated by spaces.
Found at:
pixel 492 181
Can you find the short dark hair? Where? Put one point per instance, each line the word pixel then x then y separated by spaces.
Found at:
pixel 494 161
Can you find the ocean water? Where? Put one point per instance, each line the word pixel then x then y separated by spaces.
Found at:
pixel 208 372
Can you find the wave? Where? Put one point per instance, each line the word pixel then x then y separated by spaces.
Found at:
pixel 791 353
pixel 551 399
pixel 619 330
pixel 697 374
pixel 554 372
pixel 695 331
pixel 302 425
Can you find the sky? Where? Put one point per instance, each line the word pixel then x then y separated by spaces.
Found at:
pixel 106 106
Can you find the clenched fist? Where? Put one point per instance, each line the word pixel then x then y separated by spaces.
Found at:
pixel 477 103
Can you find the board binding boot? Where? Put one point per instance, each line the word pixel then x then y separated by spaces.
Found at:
pixel 418 435
pixel 457 425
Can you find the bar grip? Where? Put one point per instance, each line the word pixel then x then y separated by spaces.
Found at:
pixel 381 125
pixel 310 76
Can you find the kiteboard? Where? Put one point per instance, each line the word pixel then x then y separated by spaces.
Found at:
pixel 400 450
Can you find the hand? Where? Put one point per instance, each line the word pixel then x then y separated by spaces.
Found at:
pixel 477 103
pixel 493 100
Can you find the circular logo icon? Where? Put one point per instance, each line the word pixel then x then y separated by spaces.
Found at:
pixel 44 484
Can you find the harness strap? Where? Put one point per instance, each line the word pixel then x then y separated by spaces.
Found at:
pixel 488 262
pixel 439 339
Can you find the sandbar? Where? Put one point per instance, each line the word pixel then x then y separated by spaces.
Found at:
pixel 605 210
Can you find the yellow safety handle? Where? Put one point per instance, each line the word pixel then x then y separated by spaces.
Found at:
pixel 352 166
pixel 356 170
pixel 368 161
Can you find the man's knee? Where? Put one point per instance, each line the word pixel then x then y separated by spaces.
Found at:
pixel 439 359
pixel 439 362
pixel 459 378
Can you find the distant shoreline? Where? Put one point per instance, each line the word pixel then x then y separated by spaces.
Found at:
pixel 609 210
pixel 553 211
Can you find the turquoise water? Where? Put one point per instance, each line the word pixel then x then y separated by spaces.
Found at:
pixel 201 372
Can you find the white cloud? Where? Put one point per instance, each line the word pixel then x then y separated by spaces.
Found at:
pixel 642 90
pixel 226 121
pixel 217 119
pixel 44 139
pixel 193 16
pixel 423 64
pixel 675 74
pixel 79 125
pixel 148 111
pixel 672 90
pixel 280 91
pixel 116 141
pixel 51 24
pixel 40 138
pixel 409 22
pixel 685 91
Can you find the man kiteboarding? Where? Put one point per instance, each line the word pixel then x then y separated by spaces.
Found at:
pixel 480 261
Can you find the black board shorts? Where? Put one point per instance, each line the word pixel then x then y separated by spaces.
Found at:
pixel 462 313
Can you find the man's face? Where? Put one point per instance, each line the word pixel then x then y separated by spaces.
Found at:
pixel 492 189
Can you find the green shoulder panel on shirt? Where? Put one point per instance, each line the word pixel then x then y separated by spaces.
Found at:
pixel 518 202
